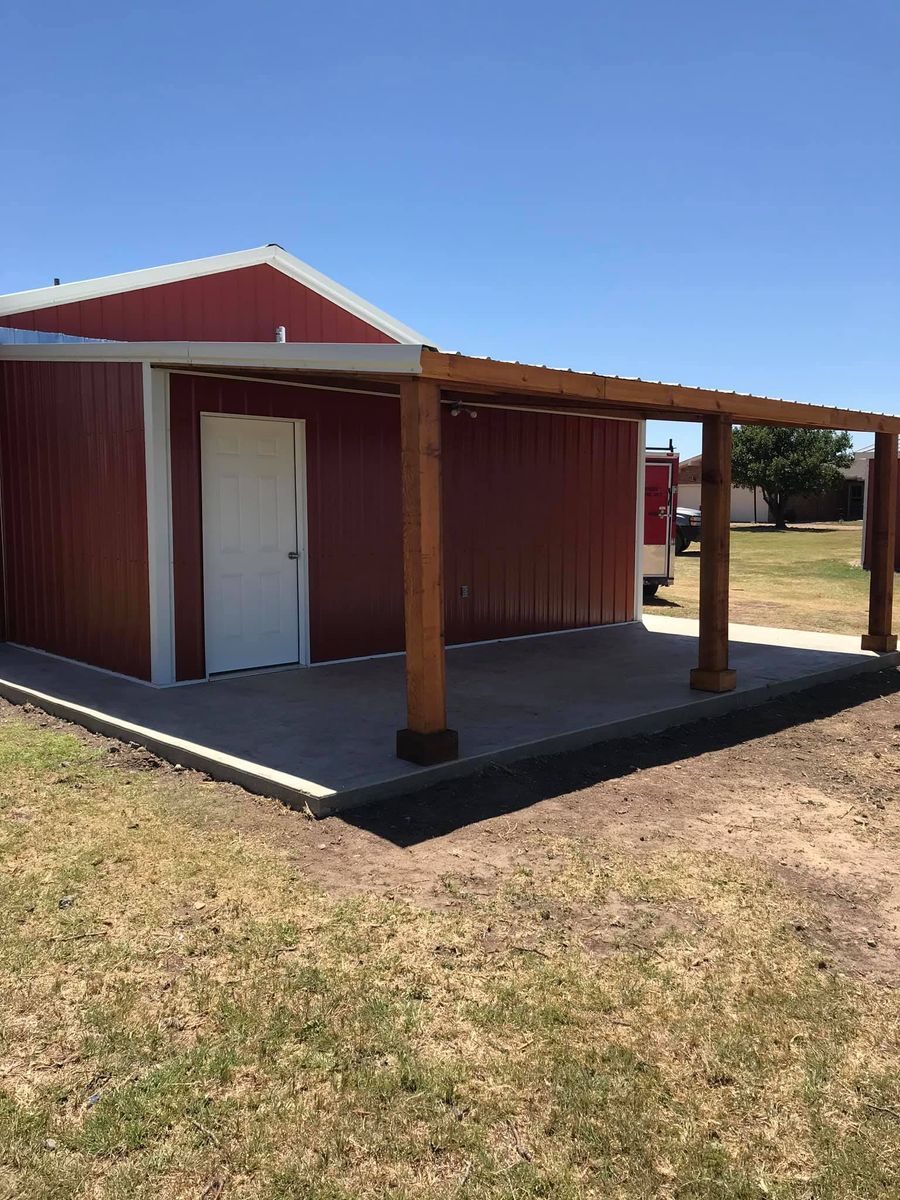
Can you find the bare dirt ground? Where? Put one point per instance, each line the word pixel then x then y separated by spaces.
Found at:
pixel 808 787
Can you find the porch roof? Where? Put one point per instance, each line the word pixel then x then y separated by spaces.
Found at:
pixel 466 378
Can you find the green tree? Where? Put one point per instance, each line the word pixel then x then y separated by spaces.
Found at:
pixel 785 462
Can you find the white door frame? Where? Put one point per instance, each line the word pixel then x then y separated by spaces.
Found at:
pixel 300 489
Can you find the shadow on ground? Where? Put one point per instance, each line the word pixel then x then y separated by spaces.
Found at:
pixel 501 789
pixel 658 601
pixel 790 529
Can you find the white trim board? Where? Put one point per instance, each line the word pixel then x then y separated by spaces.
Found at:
pixel 160 563
pixel 337 357
pixel 271 255
pixel 294 383
pixel 474 402
pixel 640 498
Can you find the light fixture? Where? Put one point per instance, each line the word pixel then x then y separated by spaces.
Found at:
pixel 458 407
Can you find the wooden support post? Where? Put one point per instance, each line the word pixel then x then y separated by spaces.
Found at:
pixel 712 673
pixel 426 740
pixel 883 482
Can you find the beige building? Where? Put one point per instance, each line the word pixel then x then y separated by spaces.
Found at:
pixel 747 504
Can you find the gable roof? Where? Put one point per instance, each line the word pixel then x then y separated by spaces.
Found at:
pixel 271 255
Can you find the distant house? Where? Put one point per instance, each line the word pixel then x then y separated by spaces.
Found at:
pixel 747 504
pixel 845 503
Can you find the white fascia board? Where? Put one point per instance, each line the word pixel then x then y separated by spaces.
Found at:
pixel 303 273
pixel 274 256
pixel 341 357
pixel 128 281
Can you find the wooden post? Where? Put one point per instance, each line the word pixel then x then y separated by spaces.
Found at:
pixel 712 673
pixel 426 739
pixel 884 533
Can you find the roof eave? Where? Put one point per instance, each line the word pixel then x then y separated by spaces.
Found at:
pixel 270 255
pixel 339 357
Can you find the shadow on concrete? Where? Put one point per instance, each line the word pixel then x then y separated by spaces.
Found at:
pixel 499 790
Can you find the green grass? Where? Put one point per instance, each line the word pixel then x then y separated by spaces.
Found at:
pixel 807 577
pixel 181 1015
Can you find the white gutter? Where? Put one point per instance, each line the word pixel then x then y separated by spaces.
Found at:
pixel 340 357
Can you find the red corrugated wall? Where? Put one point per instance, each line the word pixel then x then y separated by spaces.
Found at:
pixel 539 516
pixel 74 511
pixel 242 305
pixel 867 545
pixel 353 488
pixel 539 523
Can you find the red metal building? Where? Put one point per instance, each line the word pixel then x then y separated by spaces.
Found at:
pixel 174 505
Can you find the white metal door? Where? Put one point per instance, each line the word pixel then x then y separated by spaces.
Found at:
pixel 251 542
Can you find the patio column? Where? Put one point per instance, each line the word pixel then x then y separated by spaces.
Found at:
pixel 712 673
pixel 426 739
pixel 882 552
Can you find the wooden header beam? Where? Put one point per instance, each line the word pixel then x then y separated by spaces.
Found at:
pixel 635 398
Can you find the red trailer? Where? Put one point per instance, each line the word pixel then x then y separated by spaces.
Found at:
pixel 660 503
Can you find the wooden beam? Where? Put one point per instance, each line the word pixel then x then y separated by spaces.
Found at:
pixel 426 739
pixel 712 673
pixel 661 400
pixel 884 534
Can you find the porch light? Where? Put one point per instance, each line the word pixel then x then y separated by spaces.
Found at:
pixel 462 408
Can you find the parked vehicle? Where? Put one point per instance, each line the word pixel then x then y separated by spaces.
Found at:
pixel 660 498
pixel 687 528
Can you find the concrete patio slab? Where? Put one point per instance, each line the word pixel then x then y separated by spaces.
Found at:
pixel 323 736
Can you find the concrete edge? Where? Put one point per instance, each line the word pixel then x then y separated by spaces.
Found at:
pixel 322 802
pixel 696 710
pixel 291 789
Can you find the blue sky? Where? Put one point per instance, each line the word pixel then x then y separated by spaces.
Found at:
pixel 700 192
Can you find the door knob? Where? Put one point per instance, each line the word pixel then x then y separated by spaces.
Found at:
pixel 293 554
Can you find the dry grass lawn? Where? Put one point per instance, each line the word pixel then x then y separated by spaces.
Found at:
pixel 807 577
pixel 591 996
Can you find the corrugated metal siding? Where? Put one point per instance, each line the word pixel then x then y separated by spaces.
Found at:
pixel 867 545
pixel 74 512
pixel 242 305
pixel 353 487
pixel 539 523
pixel 539 517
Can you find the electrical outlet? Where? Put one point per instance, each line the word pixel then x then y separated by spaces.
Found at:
pixel 464 591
